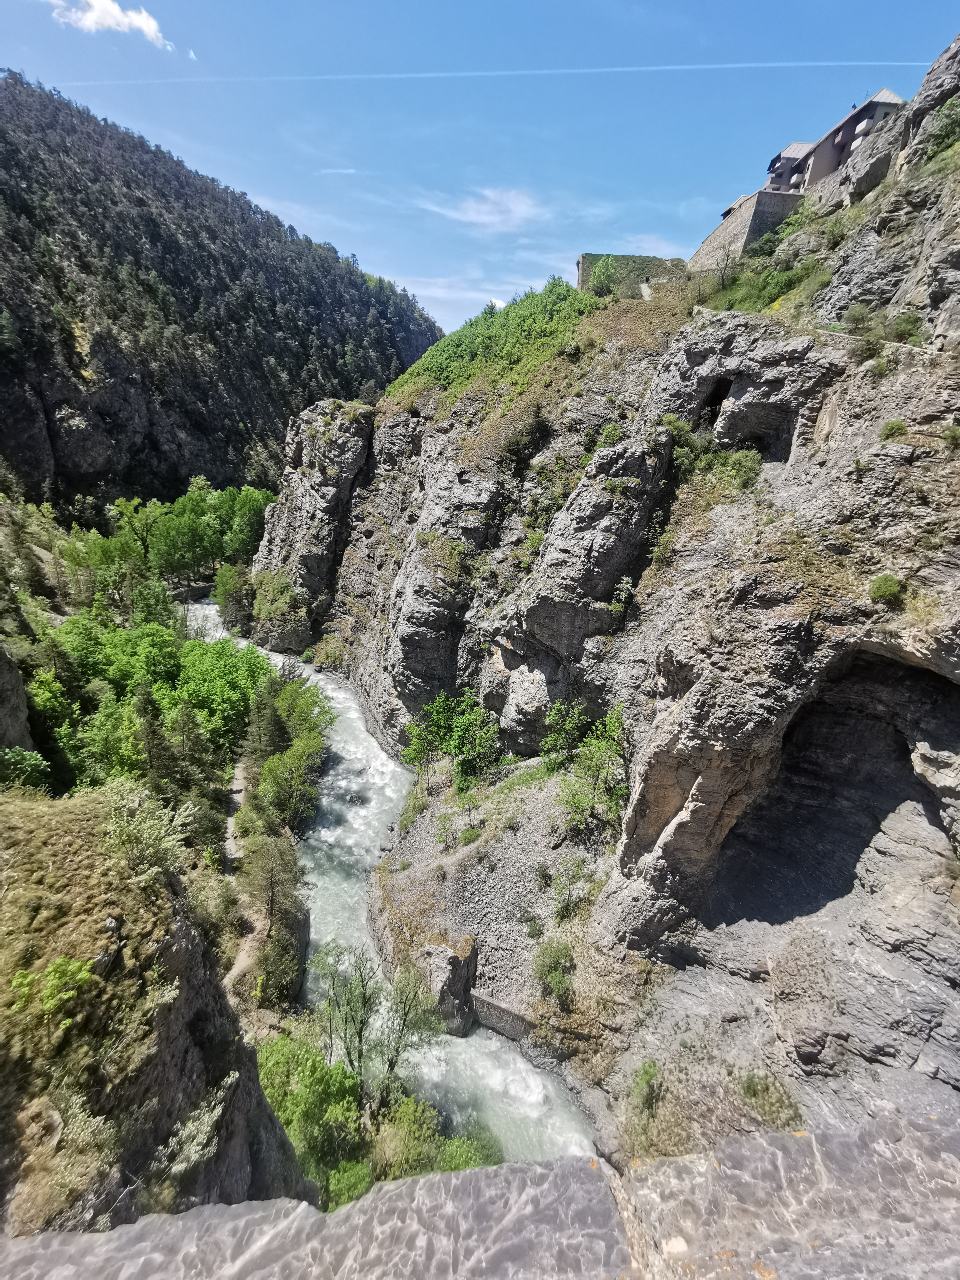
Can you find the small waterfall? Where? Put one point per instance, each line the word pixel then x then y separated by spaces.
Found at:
pixel 483 1076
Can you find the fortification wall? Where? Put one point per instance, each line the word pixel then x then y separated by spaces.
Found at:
pixel 762 212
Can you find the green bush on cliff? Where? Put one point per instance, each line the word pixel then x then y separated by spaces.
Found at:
pixel 945 131
pixel 596 788
pixel 553 965
pixel 459 728
pixel 887 589
pixel 501 346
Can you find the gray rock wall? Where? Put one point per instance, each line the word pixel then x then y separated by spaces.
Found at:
pixel 14 728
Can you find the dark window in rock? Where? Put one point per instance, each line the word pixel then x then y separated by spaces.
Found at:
pixel 713 402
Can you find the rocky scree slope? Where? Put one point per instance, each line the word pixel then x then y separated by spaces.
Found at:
pixel 154 324
pixel 776 931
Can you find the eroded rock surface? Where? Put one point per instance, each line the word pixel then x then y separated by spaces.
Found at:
pixel 327 446
pixel 513 1221
pixel 14 727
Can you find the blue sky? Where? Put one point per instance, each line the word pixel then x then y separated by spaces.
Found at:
pixel 467 188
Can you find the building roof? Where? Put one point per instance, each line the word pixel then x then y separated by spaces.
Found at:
pixel 796 150
pixel 882 95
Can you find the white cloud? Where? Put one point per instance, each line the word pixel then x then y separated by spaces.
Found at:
pixel 109 15
pixel 326 172
pixel 494 209
pixel 191 55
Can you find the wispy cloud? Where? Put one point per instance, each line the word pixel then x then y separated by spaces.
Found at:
pixel 191 55
pixel 659 68
pixel 109 15
pixel 345 172
pixel 493 209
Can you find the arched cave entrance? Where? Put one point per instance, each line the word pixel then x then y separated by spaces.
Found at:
pixel 860 792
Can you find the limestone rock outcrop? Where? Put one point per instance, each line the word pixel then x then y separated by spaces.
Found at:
pixel 557 1220
pixel 327 446
pixel 14 727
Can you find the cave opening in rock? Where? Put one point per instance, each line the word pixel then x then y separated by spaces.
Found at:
pixel 856 788
pixel 713 403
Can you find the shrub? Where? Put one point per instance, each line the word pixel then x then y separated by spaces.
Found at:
pixel 414 805
pixel 350 1180
pixel 951 438
pixel 603 277
pixel 567 889
pixel 459 728
pixel 611 433
pixel 330 653
pixel 756 289
pixel 887 589
pixel 566 724
pixel 553 964
pixel 22 768
pixel 945 131
pixel 470 835
pixel 275 596
pixel 893 429
pixel 596 789
pixel 858 317
pixel 867 347
pixel 905 327
pixel 317 1104
pixel 645 1088
pixel 768 1099
pixel 502 346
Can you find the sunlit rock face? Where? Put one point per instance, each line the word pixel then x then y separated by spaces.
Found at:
pixel 516 1220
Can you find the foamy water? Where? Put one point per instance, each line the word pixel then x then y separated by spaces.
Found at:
pixel 483 1076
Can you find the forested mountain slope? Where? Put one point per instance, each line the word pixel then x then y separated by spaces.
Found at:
pixel 155 324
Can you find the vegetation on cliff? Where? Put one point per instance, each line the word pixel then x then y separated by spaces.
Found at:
pixel 501 347
pixel 335 1081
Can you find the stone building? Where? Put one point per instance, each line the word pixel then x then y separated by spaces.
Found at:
pixel 792 173
pixel 802 165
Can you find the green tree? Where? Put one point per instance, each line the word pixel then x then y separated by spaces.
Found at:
pixel 22 768
pixel 603 277
pixel 350 997
pixel 597 787
pixel 317 1102
pixel 566 725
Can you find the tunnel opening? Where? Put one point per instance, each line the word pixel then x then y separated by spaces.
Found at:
pixel 713 402
pixel 847 799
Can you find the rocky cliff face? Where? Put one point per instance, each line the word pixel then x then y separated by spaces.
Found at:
pixel 145 1097
pixel 781 903
pixel 14 728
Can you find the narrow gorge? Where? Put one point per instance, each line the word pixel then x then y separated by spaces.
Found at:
pixel 592 683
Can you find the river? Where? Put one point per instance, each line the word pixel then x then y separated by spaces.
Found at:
pixel 482 1076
